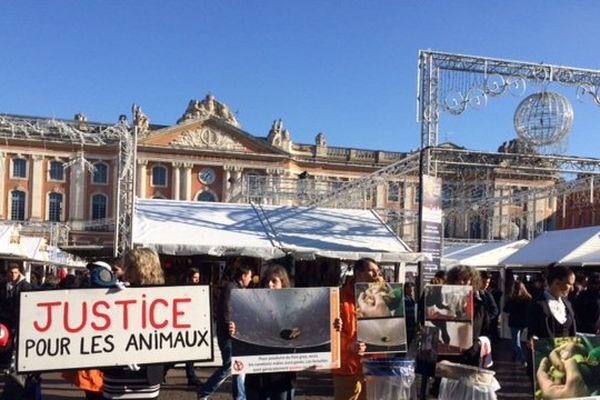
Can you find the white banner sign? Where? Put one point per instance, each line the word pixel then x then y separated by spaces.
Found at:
pixel 83 328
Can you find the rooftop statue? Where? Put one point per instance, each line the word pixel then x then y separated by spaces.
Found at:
pixel 209 107
pixel 140 120
pixel 320 140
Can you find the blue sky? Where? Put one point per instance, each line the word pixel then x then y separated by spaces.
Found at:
pixel 344 68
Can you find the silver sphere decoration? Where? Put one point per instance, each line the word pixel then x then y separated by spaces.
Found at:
pixel 543 118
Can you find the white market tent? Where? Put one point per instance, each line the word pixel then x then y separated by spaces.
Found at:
pixel 10 239
pixel 336 233
pixel 35 248
pixel 574 247
pixel 490 254
pixel 186 228
pixel 193 227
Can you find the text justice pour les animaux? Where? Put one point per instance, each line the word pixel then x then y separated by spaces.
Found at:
pixel 97 317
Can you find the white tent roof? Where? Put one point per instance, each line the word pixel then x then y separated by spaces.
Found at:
pixel 336 233
pixel 10 248
pixel 194 227
pixel 489 254
pixel 569 247
pixel 35 248
pixel 185 228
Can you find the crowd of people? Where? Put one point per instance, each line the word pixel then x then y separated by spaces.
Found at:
pixel 565 304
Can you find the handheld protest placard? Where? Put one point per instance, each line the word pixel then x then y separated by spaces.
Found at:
pixel 450 309
pixel 567 367
pixel 381 316
pixel 88 328
pixel 285 329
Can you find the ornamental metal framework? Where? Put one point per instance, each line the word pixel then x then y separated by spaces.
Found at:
pixel 455 83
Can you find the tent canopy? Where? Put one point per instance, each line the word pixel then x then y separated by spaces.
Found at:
pixel 10 242
pixel 490 254
pixel 13 245
pixel 575 247
pixel 186 228
pixel 335 233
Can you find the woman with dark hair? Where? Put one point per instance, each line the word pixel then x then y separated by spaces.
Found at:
pixel 551 312
pixel 464 275
pixel 274 385
pixel 551 316
pixel 516 307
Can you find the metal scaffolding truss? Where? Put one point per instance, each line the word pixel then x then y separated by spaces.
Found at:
pixel 408 165
pixel 544 166
pixel 85 134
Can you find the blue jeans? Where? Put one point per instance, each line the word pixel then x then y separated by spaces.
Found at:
pixel 516 343
pixel 219 376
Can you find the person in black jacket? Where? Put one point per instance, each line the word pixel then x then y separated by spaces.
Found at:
pixel 410 307
pixel 10 297
pixel 490 307
pixel 242 276
pixel 516 307
pixel 551 314
pixel 587 306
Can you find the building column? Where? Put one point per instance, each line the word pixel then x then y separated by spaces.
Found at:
pixel 36 194
pixel 236 186
pixel 77 190
pixel 3 169
pixel 176 182
pixel 186 193
pixel 226 185
pixel 140 181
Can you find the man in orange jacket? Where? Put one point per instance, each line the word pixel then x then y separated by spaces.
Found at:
pixel 348 380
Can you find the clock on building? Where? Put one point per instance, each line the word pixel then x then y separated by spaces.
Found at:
pixel 206 176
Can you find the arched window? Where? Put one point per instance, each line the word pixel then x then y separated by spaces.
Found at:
pixel 159 176
pixel 19 168
pixel 17 210
pixel 55 201
pixel 206 196
pixel 99 206
pixel 57 171
pixel 101 173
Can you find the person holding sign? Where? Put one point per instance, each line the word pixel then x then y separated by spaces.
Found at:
pixel 275 385
pixel 142 268
pixel 242 277
pixel 348 380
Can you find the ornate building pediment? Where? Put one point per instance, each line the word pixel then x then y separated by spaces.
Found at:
pixel 205 137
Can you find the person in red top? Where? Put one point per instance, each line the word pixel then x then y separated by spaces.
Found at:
pixel 348 380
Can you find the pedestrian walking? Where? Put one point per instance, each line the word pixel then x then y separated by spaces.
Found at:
pixel 516 307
